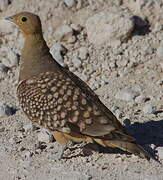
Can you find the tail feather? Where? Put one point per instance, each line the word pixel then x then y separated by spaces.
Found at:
pixel 130 147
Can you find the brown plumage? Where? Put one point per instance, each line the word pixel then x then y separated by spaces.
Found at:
pixel 57 99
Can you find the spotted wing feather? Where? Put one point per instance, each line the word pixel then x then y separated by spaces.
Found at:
pixel 58 101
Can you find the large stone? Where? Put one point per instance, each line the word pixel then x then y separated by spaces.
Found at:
pixel 108 27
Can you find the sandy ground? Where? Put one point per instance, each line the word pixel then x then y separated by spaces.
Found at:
pixel 135 63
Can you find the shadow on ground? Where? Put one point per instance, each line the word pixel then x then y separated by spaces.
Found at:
pixel 145 134
pixel 150 132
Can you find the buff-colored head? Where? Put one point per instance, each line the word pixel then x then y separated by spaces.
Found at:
pixel 27 22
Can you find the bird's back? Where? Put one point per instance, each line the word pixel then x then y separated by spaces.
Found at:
pixel 62 101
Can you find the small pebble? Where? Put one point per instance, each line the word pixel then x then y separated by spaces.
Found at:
pixel 57 51
pixel 118 113
pixel 70 3
pixel 28 127
pixel 126 94
pixel 149 109
pixel 76 27
pixel 2 129
pixel 63 32
pixel 161 65
pixel 28 154
pixel 83 53
pixel 160 51
pixel 44 136
pixel 140 99
pixel 160 152
pixel 76 62
pixel 3 68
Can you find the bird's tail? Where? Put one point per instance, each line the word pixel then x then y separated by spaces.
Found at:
pixel 130 147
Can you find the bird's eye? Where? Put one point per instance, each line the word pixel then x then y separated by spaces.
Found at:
pixel 24 19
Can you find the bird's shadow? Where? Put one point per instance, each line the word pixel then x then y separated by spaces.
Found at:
pixel 147 133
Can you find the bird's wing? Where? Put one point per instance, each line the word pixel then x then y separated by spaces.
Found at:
pixel 61 101
pixel 111 124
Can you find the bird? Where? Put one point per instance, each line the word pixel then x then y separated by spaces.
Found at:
pixel 55 98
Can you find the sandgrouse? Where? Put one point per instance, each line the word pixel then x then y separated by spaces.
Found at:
pixel 57 99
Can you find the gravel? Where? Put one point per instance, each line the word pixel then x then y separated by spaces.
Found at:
pixel 117 51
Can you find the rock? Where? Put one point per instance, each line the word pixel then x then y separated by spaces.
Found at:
pixel 126 94
pixel 160 51
pixel 158 27
pixel 76 27
pixel 122 62
pixel 101 28
pixel 76 62
pixel 3 68
pixel 118 113
pixel 28 127
pixel 44 136
pixel 70 3
pixel 57 51
pixel 161 65
pixel 161 114
pixel 2 129
pixel 140 99
pixel 83 53
pixel 63 33
pixel 4 4
pixel 28 154
pixel 149 109
pixel 6 110
pixel 160 152
pixel 72 39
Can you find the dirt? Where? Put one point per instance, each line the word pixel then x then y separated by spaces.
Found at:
pixel 135 63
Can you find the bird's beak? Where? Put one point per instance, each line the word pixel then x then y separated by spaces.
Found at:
pixel 10 18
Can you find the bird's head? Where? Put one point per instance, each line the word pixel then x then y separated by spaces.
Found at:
pixel 27 22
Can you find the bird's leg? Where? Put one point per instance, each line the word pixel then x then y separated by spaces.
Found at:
pixel 63 141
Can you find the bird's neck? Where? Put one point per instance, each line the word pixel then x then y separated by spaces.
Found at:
pixel 35 57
